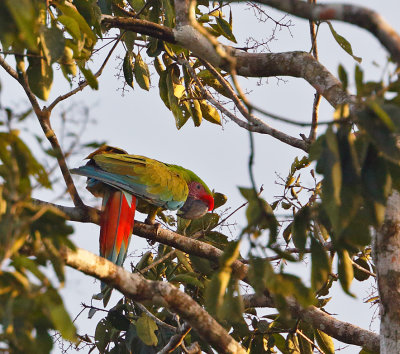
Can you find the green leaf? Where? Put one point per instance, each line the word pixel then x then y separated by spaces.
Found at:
pixel 379 133
pixel 71 26
pixel 187 279
pixel 259 269
pixel 91 13
pixel 142 74
pixel 137 5
pixel 183 258
pixel 320 266
pixel 197 115
pixel 163 89
pixel 172 80
pixel 300 228
pixel 209 113
pixel 40 77
pixel 127 67
pixel 219 199
pixel 169 13
pixel 90 78
pixel 225 29
pixel 25 17
pixel 359 274
pixel 117 319
pixel 102 335
pixel 375 177
pixel 324 341
pixel 343 76
pixel 359 78
pixel 145 327
pixel 382 115
pixel 144 261
pixel 345 271
pixel 70 10
pixel 67 63
pixel 53 43
pixel 343 42
pixel 58 314
pixel 129 39
pixel 216 288
pixel 201 265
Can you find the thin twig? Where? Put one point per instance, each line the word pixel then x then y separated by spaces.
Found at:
pixel 156 319
pixel 157 262
pixel 43 116
pixel 362 269
pixel 85 83
pixel 317 97
pixel 256 124
pixel 309 340
pixel 176 340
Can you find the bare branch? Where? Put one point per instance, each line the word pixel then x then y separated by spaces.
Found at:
pixel 82 213
pixel 137 288
pixel 356 15
pixel 141 26
pixel 176 340
pixel 317 98
pixel 43 116
pixel 156 319
pixel 85 83
pixel 256 124
pixel 296 64
pixel 111 274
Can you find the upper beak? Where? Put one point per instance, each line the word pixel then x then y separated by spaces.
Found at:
pixel 193 209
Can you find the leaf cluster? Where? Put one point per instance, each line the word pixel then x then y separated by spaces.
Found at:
pixel 30 305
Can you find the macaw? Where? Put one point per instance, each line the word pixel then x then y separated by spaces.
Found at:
pixel 124 180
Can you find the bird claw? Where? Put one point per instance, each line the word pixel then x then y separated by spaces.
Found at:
pixel 156 228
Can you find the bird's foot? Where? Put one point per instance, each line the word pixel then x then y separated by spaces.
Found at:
pixel 157 228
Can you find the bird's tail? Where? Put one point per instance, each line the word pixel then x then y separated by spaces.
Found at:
pixel 116 226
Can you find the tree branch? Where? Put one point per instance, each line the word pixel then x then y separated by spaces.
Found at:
pixel 137 288
pixel 296 64
pixel 85 83
pixel 386 257
pixel 255 124
pixel 340 330
pixel 176 340
pixel 43 116
pixel 353 14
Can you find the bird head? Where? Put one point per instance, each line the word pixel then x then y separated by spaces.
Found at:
pixel 198 202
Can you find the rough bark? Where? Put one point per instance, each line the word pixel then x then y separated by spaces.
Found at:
pixel 104 270
pixel 137 288
pixel 387 261
pixel 353 14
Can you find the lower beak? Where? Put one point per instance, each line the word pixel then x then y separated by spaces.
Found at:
pixel 193 209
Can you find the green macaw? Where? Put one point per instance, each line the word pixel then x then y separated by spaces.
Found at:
pixel 123 180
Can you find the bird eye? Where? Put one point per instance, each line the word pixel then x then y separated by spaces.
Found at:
pixel 198 186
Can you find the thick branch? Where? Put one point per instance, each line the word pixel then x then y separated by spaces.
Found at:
pixel 356 15
pixel 296 64
pixel 140 26
pixel 342 331
pixel 387 261
pixel 312 315
pixel 137 288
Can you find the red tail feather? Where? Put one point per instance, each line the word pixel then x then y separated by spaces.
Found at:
pixel 116 226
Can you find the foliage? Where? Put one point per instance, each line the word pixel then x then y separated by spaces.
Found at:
pixel 354 165
pixel 30 306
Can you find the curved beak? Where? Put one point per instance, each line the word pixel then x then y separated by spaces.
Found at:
pixel 193 209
